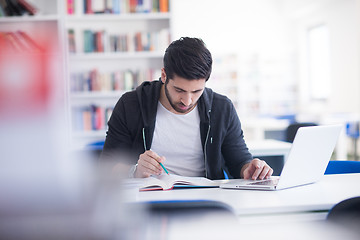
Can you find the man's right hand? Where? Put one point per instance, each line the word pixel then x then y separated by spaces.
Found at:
pixel 148 164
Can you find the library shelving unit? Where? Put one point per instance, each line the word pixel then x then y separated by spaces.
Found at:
pixel 110 50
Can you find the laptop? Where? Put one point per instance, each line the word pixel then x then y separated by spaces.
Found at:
pixel 306 163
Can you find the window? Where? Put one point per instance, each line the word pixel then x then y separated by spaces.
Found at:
pixel 319 62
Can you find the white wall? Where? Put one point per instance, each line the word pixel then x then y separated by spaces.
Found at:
pixel 232 25
pixel 260 37
pixel 343 24
pixel 276 28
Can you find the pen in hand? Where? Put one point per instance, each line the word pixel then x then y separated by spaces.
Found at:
pixel 164 168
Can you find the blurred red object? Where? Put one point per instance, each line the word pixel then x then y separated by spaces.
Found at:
pixel 24 82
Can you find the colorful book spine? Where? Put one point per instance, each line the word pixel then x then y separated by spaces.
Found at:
pixel 109 6
pixel 88 41
pixel 2 11
pixel 71 41
pixel 87 119
pixel 163 5
pixel 125 6
pixel 126 80
pixel 88 6
pixel 90 118
pixel 70 7
pixel 155 6
pixel 116 6
pixel 101 41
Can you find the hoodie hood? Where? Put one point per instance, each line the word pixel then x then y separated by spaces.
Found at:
pixel 148 97
pixel 148 94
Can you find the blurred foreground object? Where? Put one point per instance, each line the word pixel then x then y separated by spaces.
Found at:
pixel 46 190
pixel 346 213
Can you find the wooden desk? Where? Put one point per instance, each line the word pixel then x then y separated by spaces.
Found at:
pixel 313 199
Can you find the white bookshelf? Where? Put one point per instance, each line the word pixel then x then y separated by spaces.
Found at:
pixel 51 24
pixel 107 63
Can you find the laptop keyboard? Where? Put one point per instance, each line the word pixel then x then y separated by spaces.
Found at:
pixel 271 182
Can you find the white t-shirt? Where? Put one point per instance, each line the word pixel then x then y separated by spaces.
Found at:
pixel 177 138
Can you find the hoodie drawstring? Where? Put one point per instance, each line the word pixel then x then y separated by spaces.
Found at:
pixel 206 140
pixel 143 133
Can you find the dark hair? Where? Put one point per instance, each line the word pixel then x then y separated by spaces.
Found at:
pixel 188 58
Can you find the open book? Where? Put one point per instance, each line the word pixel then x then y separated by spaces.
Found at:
pixel 168 182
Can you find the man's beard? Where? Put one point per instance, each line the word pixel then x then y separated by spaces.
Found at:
pixel 175 105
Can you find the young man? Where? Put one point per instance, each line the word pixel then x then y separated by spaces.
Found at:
pixel 180 123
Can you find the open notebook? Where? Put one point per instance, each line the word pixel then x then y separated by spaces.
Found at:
pixel 306 163
pixel 168 182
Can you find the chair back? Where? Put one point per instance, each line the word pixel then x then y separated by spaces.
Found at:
pixel 292 129
pixel 340 166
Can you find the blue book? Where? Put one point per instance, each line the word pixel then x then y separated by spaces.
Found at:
pixel 116 6
pixel 2 13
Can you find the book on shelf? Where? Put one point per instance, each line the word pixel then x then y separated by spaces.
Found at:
pixel 125 6
pixel 70 7
pixel 163 5
pixel 87 6
pixel 90 118
pixel 101 41
pixel 2 11
pixel 16 8
pixel 71 41
pixel 124 80
pixel 155 6
pixel 99 120
pixel 88 41
pixel 4 8
pixel 87 120
pixel 95 41
pixel 133 6
pixel 171 181
pixel 30 8
pixel 109 8
pixel 115 7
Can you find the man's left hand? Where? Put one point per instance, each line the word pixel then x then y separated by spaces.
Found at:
pixel 256 169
